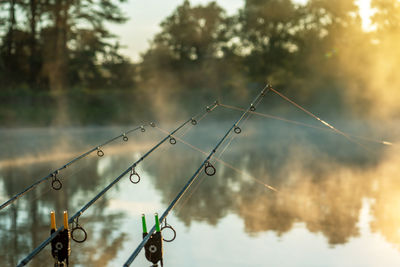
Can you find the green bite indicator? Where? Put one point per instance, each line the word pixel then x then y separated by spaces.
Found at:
pixel 157 222
pixel 144 224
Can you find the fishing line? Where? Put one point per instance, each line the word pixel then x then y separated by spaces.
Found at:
pixel 54 173
pixel 226 146
pixel 41 194
pixel 248 115
pixel 218 159
pixel 165 149
pixel 233 137
pixel 252 108
pixel 319 119
pixel 256 101
pixel 269 116
pixel 191 193
pixel 180 138
pixel 195 121
pixel 204 166
pixel 74 219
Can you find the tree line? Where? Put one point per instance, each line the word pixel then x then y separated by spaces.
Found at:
pixel 60 44
pixel 318 52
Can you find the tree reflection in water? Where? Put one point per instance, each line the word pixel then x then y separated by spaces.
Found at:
pixel 322 181
pixel 29 224
pixel 25 223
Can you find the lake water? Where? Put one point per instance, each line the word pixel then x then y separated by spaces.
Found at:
pixel 337 204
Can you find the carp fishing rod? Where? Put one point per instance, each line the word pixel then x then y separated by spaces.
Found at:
pixel 56 183
pixel 75 218
pixel 209 170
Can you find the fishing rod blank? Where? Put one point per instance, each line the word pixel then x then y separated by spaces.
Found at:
pixel 91 202
pixel 56 183
pixel 191 180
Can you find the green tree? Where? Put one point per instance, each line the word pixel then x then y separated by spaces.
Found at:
pixel 14 45
pixel 49 42
pixel 266 36
pixel 188 48
pixel 193 33
pixel 77 33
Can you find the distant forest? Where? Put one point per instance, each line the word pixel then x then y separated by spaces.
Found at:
pixel 58 57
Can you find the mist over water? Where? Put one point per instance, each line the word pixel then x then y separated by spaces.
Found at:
pixel 337 197
pixel 335 201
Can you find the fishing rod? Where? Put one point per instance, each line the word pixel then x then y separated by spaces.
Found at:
pixel 75 218
pixel 56 183
pixel 382 142
pixel 207 166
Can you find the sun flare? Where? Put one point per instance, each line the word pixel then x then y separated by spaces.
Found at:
pixel 366 12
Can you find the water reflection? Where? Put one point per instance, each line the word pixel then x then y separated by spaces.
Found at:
pixel 25 224
pixel 322 181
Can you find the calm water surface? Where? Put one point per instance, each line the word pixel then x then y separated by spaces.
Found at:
pixel 338 203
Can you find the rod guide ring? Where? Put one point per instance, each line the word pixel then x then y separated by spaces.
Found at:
pixel 173 231
pixel 167 226
pixel 209 169
pixel 100 152
pixel 134 173
pixel 172 140
pixel 56 183
pixel 78 228
pixel 237 130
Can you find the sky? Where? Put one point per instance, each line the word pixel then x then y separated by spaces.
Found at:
pixel 145 17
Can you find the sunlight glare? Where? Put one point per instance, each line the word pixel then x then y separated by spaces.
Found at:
pixel 366 12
